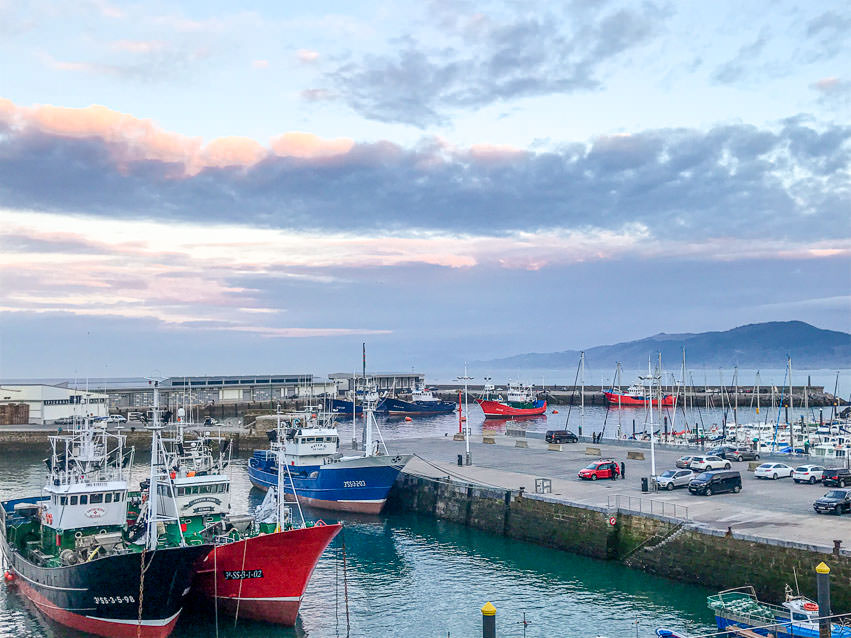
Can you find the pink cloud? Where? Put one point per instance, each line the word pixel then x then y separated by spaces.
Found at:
pixel 306 55
pixel 233 151
pixel 307 145
pixel 260 64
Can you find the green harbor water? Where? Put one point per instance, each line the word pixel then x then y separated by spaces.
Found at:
pixel 414 576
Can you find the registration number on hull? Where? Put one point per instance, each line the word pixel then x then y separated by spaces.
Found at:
pixel 354 483
pixel 241 574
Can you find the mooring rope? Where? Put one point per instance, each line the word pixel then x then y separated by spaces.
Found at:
pixel 345 585
pixel 241 580
pixel 466 479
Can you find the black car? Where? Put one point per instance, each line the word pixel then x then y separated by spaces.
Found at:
pixel 834 502
pixel 709 483
pixel 561 436
pixel 836 477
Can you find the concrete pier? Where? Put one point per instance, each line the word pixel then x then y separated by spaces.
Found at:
pixel 761 536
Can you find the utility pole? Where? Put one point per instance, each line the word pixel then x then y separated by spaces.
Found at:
pixel 465 379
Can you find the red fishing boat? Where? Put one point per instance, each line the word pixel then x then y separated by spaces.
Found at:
pixel 520 400
pixel 636 395
pixel 264 577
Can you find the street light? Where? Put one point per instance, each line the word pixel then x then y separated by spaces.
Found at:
pixel 465 379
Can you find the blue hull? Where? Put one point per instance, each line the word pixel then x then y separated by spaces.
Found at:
pixel 786 630
pixel 339 406
pixel 391 405
pixel 356 485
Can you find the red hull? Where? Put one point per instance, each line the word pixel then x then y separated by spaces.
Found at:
pixel 97 626
pixel 495 409
pixel 624 400
pixel 264 578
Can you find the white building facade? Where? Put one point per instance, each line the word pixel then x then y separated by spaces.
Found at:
pixel 49 403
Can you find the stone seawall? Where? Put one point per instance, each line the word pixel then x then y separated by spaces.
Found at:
pixel 656 544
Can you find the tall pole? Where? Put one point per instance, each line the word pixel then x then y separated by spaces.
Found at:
pixel 618 375
pixel 652 427
pixel 354 410
pixel 823 587
pixel 465 379
pixel 151 541
pixel 582 391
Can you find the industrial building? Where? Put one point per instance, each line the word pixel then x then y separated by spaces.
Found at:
pixel 395 381
pixel 216 390
pixel 47 404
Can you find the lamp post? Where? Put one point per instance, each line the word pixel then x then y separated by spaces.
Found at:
pixel 465 379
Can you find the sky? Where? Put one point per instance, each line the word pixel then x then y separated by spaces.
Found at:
pixel 196 188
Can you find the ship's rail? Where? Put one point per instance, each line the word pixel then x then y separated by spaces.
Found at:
pixel 640 505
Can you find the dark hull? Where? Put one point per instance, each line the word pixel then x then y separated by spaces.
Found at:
pixel 423 408
pixel 102 596
pixel 340 406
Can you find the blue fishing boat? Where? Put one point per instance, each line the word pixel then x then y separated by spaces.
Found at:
pixel 423 402
pixel 795 618
pixel 321 475
pixel 342 407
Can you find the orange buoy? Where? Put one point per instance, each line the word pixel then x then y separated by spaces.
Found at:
pixel 463 418
pixel 555 411
pixel 807 606
pixel 8 577
pixel 407 418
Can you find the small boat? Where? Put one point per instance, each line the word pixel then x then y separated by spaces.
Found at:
pixel 321 475
pixel 635 395
pixel 423 402
pixel 521 400
pixel 795 618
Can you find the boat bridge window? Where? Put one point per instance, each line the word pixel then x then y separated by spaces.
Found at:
pixel 84 499
pixel 107 498
pixel 63 500
pixel 73 500
pixel 797 616
pixel 118 496
pixel 96 498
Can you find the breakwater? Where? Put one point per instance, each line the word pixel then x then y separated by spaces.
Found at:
pixel 663 545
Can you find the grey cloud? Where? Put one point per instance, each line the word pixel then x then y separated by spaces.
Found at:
pixel 746 59
pixel 829 32
pixel 527 55
pixel 680 183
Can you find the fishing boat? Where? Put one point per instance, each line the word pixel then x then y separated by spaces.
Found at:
pixel 73 554
pixel 321 475
pixel 636 395
pixel 423 402
pixel 345 407
pixel 521 400
pixel 261 563
pixel 797 617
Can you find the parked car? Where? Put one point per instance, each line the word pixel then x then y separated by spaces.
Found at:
pixel 601 469
pixel 703 463
pixel 836 477
pixel 746 454
pixel 773 471
pixel 684 462
pixel 807 474
pixel 116 418
pixel 834 502
pixel 727 452
pixel 65 420
pixel 561 436
pixel 670 479
pixel 709 483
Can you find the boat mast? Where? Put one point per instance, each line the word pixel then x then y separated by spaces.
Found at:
pixel 736 396
pixel 468 460
pixel 354 410
pixel 151 540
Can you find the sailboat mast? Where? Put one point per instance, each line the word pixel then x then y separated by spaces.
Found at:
pixel 652 427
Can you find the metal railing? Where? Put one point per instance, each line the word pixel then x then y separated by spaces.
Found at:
pixel 640 505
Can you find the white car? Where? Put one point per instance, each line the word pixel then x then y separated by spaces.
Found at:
pixel 116 418
pixel 807 474
pixel 670 479
pixel 703 463
pixel 773 471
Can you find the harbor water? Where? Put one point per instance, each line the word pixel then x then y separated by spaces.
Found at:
pixel 413 576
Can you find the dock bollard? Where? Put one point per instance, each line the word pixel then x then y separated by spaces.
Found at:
pixel 488 621
pixel 823 585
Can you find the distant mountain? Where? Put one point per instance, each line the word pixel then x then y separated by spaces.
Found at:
pixel 756 345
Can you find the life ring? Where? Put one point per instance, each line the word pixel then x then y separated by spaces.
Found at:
pixel 810 607
pixel 319 523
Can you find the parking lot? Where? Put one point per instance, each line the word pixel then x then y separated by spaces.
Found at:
pixel 778 509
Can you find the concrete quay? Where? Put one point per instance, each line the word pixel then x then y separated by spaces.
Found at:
pixel 766 536
pixel 779 510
